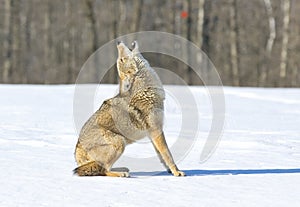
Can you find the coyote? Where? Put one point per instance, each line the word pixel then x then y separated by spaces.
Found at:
pixel 136 112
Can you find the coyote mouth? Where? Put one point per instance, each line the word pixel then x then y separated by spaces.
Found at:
pixel 123 50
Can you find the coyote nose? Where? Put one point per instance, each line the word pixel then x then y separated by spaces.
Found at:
pixel 119 42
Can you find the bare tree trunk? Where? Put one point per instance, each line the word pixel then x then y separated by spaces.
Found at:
pixel 122 16
pixel 16 44
pixel 137 5
pixel 46 43
pixel 7 41
pixel 186 32
pixel 68 52
pixel 34 73
pixel 199 39
pixel 26 50
pixel 285 40
pixel 177 21
pixel 233 43
pixel 76 46
pixel 200 23
pixel 92 18
pixel 295 67
pixel 263 75
pixel 295 76
pixel 180 28
pixel 93 21
pixel 272 27
pixel 114 33
pixel 207 7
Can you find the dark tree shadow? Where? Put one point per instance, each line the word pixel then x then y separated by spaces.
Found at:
pixel 222 172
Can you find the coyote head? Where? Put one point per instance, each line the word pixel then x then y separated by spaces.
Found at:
pixel 125 63
pixel 129 63
pixel 129 60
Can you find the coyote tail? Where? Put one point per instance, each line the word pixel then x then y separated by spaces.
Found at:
pixel 89 169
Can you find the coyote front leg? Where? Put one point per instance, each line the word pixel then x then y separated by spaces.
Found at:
pixel 159 142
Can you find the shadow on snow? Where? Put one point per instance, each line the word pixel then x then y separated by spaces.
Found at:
pixel 223 172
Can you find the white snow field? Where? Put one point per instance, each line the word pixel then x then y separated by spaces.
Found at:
pixel 257 161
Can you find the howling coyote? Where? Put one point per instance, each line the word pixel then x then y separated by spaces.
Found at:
pixel 137 111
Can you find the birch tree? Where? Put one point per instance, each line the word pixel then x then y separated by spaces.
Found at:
pixel 262 79
pixel 272 26
pixel 200 23
pixel 285 40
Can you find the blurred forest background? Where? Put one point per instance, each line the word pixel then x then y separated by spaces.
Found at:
pixel 251 43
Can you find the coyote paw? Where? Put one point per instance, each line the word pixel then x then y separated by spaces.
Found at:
pixel 178 173
pixel 124 174
pixel 117 174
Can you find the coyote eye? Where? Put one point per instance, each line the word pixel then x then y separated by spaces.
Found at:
pixel 122 60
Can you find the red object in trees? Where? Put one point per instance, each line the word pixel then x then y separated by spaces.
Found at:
pixel 184 14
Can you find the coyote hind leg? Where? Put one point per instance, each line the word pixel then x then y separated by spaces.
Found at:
pixel 102 153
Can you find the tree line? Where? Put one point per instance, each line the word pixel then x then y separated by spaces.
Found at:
pixel 251 43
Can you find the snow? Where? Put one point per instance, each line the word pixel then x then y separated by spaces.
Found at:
pixel 257 161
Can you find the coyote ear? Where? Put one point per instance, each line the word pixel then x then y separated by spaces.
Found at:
pixel 135 47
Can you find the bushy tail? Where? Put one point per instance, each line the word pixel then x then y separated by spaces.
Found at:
pixel 89 169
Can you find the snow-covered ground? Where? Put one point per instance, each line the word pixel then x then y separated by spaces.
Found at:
pixel 257 161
